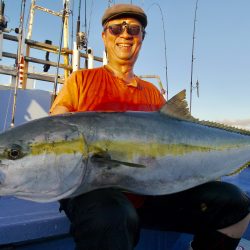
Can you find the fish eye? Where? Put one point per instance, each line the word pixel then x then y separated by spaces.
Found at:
pixel 15 152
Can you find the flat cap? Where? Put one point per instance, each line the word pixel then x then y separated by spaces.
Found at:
pixel 124 10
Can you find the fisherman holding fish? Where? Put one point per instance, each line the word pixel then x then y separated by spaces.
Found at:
pixel 216 213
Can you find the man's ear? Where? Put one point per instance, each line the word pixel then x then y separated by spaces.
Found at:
pixel 143 34
pixel 104 37
pixel 104 41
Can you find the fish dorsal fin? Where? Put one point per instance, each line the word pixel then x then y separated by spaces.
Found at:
pixel 177 107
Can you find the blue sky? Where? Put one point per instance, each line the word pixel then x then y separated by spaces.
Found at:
pixel 222 48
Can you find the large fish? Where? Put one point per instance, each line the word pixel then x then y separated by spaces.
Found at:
pixel 151 153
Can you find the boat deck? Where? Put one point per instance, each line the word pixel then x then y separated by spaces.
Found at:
pixel 28 225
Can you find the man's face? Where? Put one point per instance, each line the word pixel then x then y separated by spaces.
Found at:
pixel 124 47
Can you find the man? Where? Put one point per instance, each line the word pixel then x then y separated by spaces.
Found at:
pixel 216 213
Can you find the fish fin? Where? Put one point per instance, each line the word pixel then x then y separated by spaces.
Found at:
pixel 114 163
pixel 177 107
pixel 129 164
pixel 225 127
pixel 238 170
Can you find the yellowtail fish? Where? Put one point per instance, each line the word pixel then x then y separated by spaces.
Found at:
pixel 151 153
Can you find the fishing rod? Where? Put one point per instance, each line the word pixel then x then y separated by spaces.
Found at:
pixel 165 46
pixel 85 29
pixel 90 17
pixel 18 60
pixel 192 60
pixel 81 37
pixel 85 23
pixel 3 22
pixel 78 25
pixel 65 12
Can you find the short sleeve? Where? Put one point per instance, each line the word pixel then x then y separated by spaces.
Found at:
pixel 68 96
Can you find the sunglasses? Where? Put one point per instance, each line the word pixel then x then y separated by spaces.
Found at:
pixel 118 29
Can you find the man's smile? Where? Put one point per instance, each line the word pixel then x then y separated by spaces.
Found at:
pixel 124 45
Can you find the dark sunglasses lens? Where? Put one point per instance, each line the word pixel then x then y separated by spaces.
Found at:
pixel 115 29
pixel 118 29
pixel 134 30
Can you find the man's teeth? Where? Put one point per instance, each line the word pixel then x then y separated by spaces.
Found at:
pixel 124 45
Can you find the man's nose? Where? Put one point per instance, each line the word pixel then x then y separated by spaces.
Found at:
pixel 125 33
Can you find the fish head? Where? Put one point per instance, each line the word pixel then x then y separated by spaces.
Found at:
pixel 43 160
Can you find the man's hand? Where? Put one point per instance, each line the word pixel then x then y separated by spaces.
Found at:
pixel 59 110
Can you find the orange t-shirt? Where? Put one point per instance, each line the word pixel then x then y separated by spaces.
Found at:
pixel 99 90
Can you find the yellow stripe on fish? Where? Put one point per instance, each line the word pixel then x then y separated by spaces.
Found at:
pixel 61 147
pixel 130 148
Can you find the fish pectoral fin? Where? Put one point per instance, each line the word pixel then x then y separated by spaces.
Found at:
pixel 106 159
pixel 129 164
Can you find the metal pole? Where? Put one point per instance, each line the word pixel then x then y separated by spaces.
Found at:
pixel 163 92
pixel 19 53
pixel 31 19
pixel 66 38
pixel 59 55
pixel 29 35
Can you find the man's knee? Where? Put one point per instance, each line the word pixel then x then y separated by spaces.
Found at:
pixel 224 203
pixel 112 212
pixel 100 213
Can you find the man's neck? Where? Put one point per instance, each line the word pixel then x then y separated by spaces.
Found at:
pixel 124 72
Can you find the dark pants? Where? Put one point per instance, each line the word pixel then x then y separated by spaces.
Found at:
pixel 105 219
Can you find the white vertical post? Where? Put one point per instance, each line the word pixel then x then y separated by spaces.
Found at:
pixel 76 58
pixel 90 59
pixel 31 19
pixel 105 59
